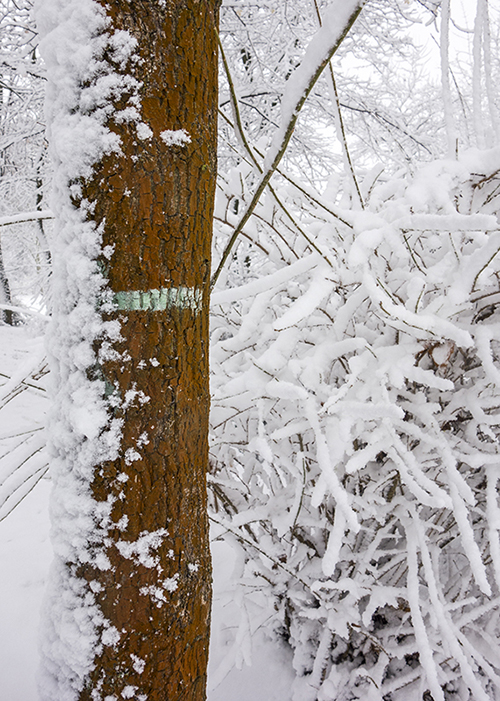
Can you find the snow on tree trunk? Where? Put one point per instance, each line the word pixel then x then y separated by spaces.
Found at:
pixel 132 106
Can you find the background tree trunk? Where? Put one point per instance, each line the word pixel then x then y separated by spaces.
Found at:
pixel 6 315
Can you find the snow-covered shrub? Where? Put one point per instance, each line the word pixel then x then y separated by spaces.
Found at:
pixel 356 396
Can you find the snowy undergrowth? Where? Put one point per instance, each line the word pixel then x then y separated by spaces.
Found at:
pixel 355 416
pixel 25 554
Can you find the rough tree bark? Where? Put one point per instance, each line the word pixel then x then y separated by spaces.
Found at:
pixel 6 315
pixel 152 202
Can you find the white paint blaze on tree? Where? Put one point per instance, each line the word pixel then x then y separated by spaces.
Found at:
pixel 131 107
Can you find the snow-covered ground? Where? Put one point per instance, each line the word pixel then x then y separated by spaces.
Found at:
pixel 25 556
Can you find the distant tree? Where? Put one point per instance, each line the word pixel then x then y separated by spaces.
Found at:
pixel 132 105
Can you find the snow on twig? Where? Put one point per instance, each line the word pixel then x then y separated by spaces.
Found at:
pixel 338 20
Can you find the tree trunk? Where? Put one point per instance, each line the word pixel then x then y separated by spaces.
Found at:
pixel 147 572
pixel 6 315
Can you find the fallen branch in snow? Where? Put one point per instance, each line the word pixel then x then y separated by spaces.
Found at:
pixel 25 217
pixel 25 310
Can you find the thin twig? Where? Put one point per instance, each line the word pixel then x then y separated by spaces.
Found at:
pixel 238 127
pixel 43 471
pixel 345 147
pixel 285 139
pixel 340 217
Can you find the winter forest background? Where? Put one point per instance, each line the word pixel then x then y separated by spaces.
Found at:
pixel 355 356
